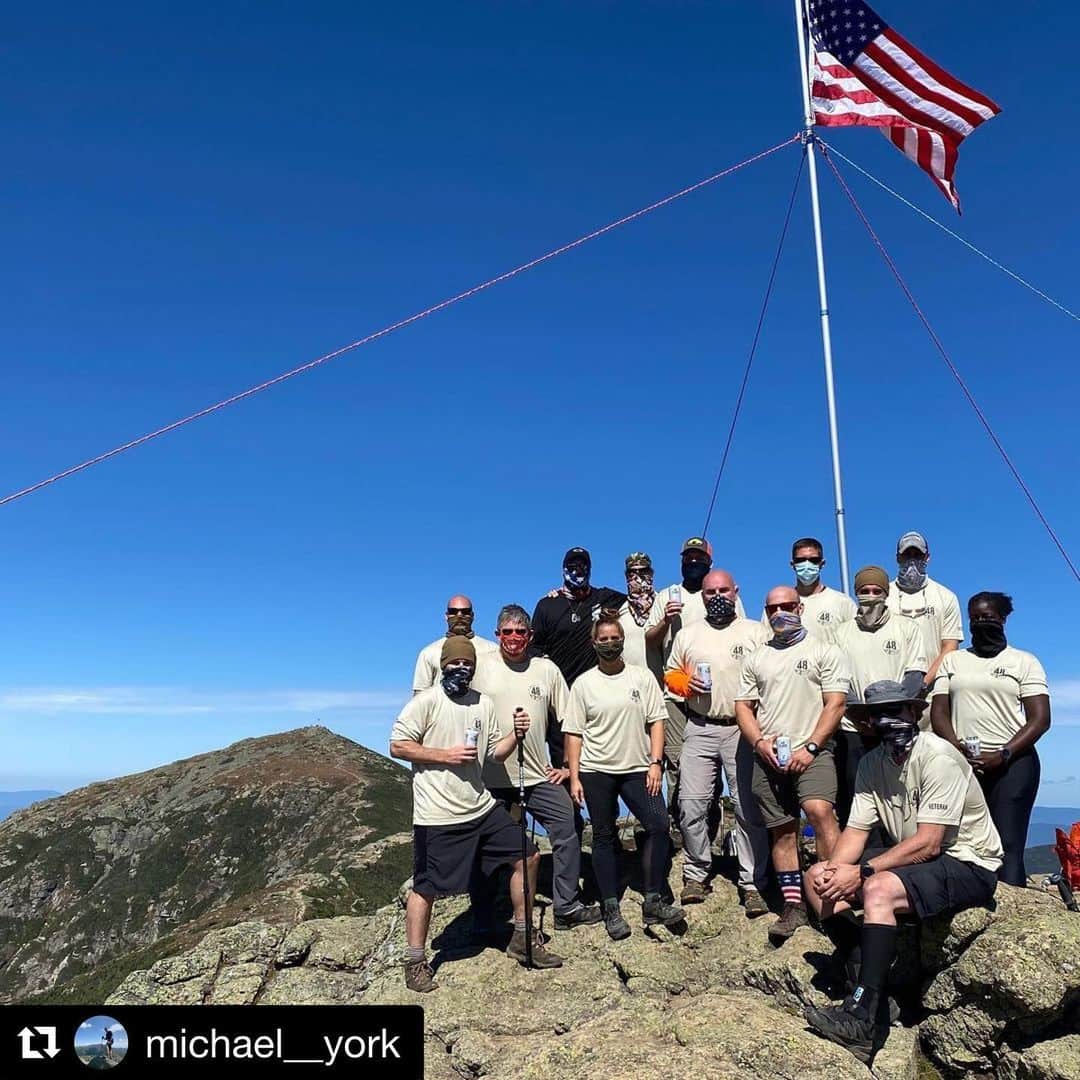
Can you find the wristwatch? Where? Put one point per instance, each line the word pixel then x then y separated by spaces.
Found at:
pixel 657 761
pixel 813 749
pixel 1006 754
pixel 865 870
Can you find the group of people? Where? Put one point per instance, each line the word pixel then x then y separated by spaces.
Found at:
pixel 913 761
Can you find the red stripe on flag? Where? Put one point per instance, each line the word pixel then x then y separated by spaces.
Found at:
pixel 920 89
pixel 854 119
pixel 939 73
pixel 904 105
pixel 832 92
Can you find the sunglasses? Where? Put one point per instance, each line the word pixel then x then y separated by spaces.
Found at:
pixel 791 605
pixel 459 611
pixel 817 560
pixel 513 631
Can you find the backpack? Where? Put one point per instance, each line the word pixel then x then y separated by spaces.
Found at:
pixel 1068 851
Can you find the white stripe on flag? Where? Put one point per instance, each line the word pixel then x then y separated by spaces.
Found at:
pixel 917 71
pixel 876 72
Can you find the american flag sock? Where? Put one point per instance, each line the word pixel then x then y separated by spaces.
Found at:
pixel 790 886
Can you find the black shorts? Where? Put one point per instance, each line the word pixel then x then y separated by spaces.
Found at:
pixel 945 884
pixel 443 855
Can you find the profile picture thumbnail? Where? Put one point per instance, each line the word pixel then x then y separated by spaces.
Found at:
pixel 101 1042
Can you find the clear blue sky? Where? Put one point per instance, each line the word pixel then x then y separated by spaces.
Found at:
pixel 198 198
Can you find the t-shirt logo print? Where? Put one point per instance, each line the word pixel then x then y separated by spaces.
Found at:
pixel 891 646
pixel 824 616
pixel 635 696
pixel 737 652
pixel 535 693
pixel 999 673
pixel 802 667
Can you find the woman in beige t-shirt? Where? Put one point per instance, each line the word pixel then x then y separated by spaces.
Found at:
pixel 992 703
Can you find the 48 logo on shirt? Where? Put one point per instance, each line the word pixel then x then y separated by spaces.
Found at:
pixel 635 696
pixel 802 667
pixel 737 652
pixel 1000 673
pixel 891 646
pixel 535 693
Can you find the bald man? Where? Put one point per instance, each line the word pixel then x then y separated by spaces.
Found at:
pixel 459 621
pixel 795 686
pixel 722 641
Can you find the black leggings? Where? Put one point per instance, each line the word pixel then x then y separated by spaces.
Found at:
pixel 1010 794
pixel 602 794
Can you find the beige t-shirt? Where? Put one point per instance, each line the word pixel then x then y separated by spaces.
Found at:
pixel 635 650
pixel 724 650
pixel 986 693
pixel 936 612
pixel 693 611
pixel 884 653
pixel 612 714
pixel 823 612
pixel 934 785
pixel 428 672
pixel 788 685
pixel 448 794
pixel 537 686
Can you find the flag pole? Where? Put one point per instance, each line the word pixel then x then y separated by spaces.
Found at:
pixel 826 335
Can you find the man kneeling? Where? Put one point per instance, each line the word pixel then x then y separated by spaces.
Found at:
pixel 447 732
pixel 924 795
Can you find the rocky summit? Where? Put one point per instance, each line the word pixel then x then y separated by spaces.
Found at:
pixel 986 993
pixel 120 874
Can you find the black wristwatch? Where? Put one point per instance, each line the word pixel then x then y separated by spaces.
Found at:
pixel 813 749
pixel 657 761
pixel 1006 754
pixel 865 870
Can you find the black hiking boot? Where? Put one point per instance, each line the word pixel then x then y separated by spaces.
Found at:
pixel 582 916
pixel 616 926
pixel 656 911
pixel 850 1026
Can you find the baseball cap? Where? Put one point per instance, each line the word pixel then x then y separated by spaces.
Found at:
pixel 638 558
pixel 912 540
pixel 577 554
pixel 697 543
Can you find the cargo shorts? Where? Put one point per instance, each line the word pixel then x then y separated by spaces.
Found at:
pixel 780 795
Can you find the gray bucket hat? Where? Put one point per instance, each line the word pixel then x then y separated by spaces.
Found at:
pixel 885 692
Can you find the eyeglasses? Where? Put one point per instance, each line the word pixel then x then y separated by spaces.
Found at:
pixel 513 631
pixel 817 560
pixel 791 605
pixel 459 611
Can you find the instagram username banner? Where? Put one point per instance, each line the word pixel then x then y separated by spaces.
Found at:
pixel 380 1042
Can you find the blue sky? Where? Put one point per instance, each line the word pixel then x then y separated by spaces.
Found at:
pixel 199 198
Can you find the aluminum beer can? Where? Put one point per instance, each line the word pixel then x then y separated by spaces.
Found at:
pixel 973 746
pixel 675 594
pixel 783 751
pixel 704 673
pixel 472 737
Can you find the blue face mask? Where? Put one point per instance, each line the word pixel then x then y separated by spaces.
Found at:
pixel 455 681
pixel 574 578
pixel 911 575
pixel 807 573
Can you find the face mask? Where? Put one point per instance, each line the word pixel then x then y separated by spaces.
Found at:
pixel 513 645
pixel 911 575
pixel 987 637
pixel 693 573
pixel 807 573
pixel 873 612
pixel 638 584
pixel 720 609
pixel 459 625
pixel 787 627
pixel 575 578
pixel 897 733
pixel 608 650
pixel 455 681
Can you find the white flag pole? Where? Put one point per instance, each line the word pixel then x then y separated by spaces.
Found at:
pixel 801 29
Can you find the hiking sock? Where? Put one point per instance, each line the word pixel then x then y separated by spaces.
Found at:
pixel 790 885
pixel 519 925
pixel 846 934
pixel 878 950
pixel 415 952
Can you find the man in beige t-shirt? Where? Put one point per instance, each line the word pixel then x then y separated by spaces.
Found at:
pixel 713 743
pixel 459 621
pixel 824 609
pixel 878 645
pixel 448 733
pixel 515 682
pixel 944 856
pixel 934 609
pixel 793 687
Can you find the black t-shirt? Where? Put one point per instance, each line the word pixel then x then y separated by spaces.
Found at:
pixel 562 629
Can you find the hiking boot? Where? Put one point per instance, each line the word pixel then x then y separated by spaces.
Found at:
pixel 655 912
pixel 693 892
pixel 541 958
pixel 581 916
pixel 791 918
pixel 849 1026
pixel 753 903
pixel 419 976
pixel 616 926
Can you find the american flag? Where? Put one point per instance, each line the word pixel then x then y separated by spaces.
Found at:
pixel 864 72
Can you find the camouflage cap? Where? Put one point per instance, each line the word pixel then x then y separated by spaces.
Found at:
pixel 638 558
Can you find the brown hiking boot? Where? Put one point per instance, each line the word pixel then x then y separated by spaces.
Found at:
pixel 541 958
pixel 693 892
pixel 419 976
pixel 753 903
pixel 791 918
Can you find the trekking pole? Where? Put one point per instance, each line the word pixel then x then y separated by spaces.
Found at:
pixel 524 851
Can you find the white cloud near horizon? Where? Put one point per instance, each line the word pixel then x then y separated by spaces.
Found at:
pixel 177 701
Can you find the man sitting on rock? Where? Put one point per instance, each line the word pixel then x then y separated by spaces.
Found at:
pixel 448 732
pixel 923 794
